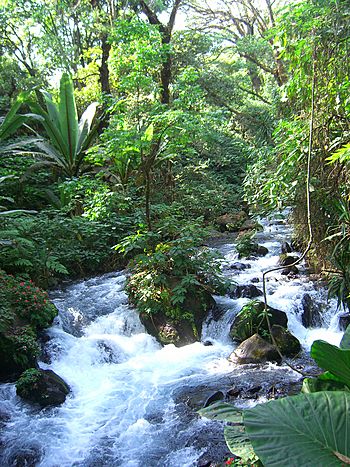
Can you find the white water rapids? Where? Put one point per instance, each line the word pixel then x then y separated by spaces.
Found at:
pixel 133 403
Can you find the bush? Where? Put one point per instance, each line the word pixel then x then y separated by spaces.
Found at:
pixel 51 245
pixel 24 310
pixel 165 273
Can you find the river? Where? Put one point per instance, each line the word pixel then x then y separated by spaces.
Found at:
pixel 133 403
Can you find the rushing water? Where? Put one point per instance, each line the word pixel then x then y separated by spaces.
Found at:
pixel 133 403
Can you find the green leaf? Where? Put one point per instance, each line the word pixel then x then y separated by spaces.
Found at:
pixel 303 430
pixel 345 342
pixel 311 385
pixel 222 411
pixel 238 443
pixel 85 125
pixel 329 357
pixel 68 116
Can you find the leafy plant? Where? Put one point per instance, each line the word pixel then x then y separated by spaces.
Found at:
pixel 69 137
pixel 164 273
pixel 24 310
pixel 12 121
pixel 309 429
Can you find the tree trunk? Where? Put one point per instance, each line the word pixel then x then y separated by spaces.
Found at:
pixel 148 198
pixel 103 70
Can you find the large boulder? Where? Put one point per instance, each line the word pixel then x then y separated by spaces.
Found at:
pixel 311 315
pixel 231 222
pixel 44 387
pixel 181 331
pixel 287 260
pixel 251 320
pixel 245 291
pixel 255 350
pixel 250 224
pixel 287 344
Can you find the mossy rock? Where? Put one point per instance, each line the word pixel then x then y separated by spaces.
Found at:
pixel 187 327
pixel 43 387
pixel 231 222
pixel 288 344
pixel 251 320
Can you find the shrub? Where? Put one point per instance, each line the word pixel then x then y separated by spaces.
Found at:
pixel 24 310
pixel 164 273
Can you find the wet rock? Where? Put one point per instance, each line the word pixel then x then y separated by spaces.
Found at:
pixel 287 260
pixel 109 354
pixel 207 343
pixel 260 250
pixel 234 392
pixel 237 266
pixel 286 248
pixel 26 457
pixel 251 320
pixel 254 390
pixel 250 224
pixel 182 331
pixel 217 312
pixel 344 321
pixel 245 291
pixel 254 350
pixel 217 396
pixel 288 344
pixel 311 316
pixel 44 387
pixel 291 271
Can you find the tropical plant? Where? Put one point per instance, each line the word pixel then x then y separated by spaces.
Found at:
pixel 165 272
pixel 12 120
pixel 69 137
pixel 309 429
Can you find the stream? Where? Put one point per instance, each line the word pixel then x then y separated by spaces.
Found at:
pixel 133 403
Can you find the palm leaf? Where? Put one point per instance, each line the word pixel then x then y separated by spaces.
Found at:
pixel 68 116
pixel 85 125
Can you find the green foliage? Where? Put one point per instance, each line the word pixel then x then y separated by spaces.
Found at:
pixel 331 358
pixel 235 435
pixel 25 309
pixel 51 245
pixel 27 380
pixel 245 244
pixel 308 429
pixel 12 121
pixel 69 137
pixel 165 273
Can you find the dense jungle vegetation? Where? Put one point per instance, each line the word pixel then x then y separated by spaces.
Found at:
pixel 132 131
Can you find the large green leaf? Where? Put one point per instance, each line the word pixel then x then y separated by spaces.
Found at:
pixel 239 444
pixel 322 384
pixel 68 116
pixel 345 342
pixel 85 125
pixel 303 430
pixel 333 359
